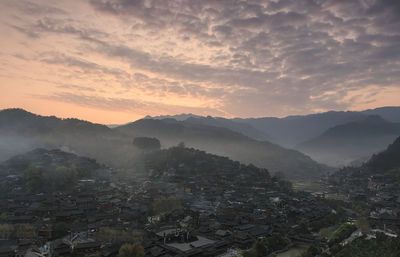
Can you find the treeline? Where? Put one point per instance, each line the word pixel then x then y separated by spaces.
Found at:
pixel 266 246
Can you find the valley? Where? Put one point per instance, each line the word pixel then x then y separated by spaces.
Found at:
pixel 176 192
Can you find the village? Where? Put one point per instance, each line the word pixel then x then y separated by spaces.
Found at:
pixel 379 194
pixel 169 214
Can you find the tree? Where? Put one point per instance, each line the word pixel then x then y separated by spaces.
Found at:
pixel 25 231
pixel 118 236
pixel 161 205
pixel 3 216
pixel 343 232
pixel 312 251
pixel 6 230
pixel 325 233
pixel 60 229
pixel 260 249
pixel 131 250
pixel 304 225
pixel 285 185
pixel 34 179
pixel 147 143
pixel 62 177
pixel 363 225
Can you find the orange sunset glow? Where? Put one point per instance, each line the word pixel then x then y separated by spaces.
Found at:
pixel 115 61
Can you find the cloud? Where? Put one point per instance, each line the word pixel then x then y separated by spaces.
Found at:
pixel 243 58
pixel 124 104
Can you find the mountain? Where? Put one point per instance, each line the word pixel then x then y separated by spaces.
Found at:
pixel 114 147
pixel 22 131
pixel 239 127
pixel 21 121
pixel 180 117
pixel 389 113
pixel 345 143
pixel 387 159
pixel 225 142
pixel 293 130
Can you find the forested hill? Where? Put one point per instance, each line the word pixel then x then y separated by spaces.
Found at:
pixel 225 142
pixel 388 159
pixel 47 160
pixel 192 162
pixel 351 141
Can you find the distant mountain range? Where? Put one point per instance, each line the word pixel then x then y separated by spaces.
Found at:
pixel 333 138
pixel 21 131
pixel 291 130
pixel 225 142
pixel 345 143
pixel 310 133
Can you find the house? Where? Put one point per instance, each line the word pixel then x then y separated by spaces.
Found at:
pixel 7 248
pixel 61 248
pixel 87 247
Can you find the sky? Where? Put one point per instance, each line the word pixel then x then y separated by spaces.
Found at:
pixel 115 61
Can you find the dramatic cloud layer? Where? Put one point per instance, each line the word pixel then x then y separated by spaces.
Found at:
pixel 117 60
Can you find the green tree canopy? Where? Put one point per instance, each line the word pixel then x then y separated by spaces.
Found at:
pixel 147 143
pixel 34 179
pixel 131 250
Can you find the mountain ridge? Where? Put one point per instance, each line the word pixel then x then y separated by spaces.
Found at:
pixel 353 140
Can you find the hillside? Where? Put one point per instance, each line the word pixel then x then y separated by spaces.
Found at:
pixel 293 130
pixel 389 113
pixel 48 160
pixel 345 143
pixel 22 131
pixel 242 128
pixel 387 159
pixel 46 171
pixel 224 142
pixel 25 131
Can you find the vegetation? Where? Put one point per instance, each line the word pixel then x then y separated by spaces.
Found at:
pixel 313 250
pixel 21 231
pixel 334 218
pixel 363 225
pixel 118 236
pixel 388 159
pixel 267 246
pixel 147 143
pixel 382 245
pixel 166 204
pixel 6 231
pixel 25 231
pixel 190 161
pixel 60 178
pixel 60 229
pixel 225 142
pixel 131 250
pixel 343 232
